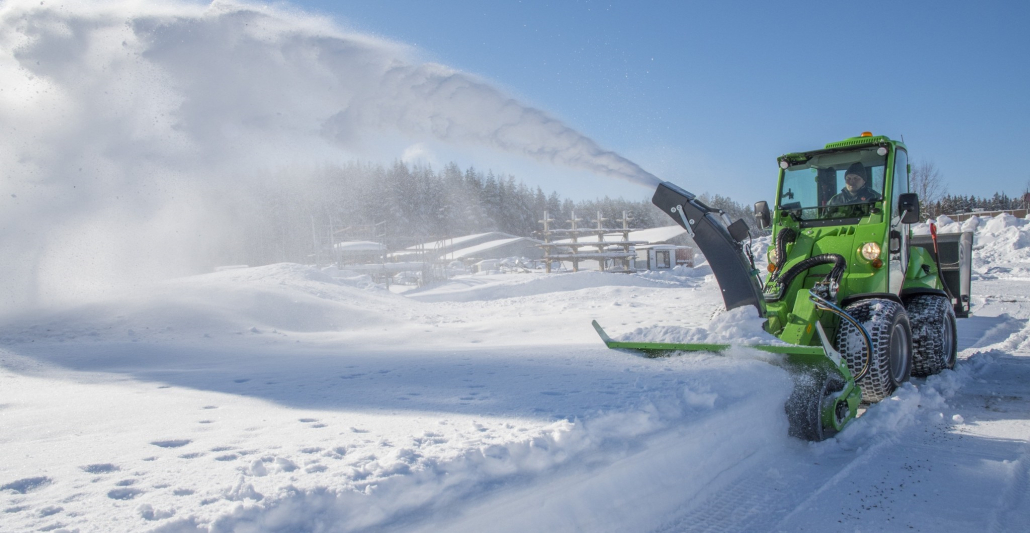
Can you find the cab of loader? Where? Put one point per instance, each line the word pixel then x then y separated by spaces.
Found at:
pixel 812 217
pixel 854 253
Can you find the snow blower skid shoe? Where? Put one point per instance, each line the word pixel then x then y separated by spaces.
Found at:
pixel 824 399
pixel 808 273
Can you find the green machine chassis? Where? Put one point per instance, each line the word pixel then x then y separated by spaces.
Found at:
pixel 823 270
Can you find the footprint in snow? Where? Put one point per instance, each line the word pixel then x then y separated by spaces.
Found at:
pixel 183 492
pixel 102 468
pixel 49 511
pixel 124 494
pixel 308 420
pixel 26 485
pixel 192 455
pixel 172 443
pixel 310 450
pixel 227 457
pixel 126 483
pixel 210 407
pixel 336 453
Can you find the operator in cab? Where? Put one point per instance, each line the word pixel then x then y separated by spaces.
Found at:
pixel 856 188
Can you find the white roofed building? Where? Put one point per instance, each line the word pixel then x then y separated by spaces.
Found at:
pixel 354 252
pixel 500 249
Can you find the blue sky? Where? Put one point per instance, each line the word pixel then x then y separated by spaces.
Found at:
pixel 707 94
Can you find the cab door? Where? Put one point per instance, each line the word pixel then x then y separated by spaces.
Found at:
pixel 899 233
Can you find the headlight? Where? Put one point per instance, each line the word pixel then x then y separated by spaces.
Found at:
pixel 870 250
pixel 772 256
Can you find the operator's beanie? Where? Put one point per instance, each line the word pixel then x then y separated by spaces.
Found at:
pixel 857 168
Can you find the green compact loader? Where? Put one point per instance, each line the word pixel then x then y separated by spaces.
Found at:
pixel 858 305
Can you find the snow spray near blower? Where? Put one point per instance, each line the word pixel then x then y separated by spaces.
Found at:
pixel 132 134
pixel 856 305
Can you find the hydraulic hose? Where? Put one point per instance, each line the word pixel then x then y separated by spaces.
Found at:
pixel 783 238
pixel 839 265
pixel 821 303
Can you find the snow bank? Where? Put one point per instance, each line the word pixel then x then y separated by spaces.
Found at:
pixel 946 225
pixel 914 403
pixel 1001 243
pixel 274 299
pixel 409 482
pixel 738 326
pixel 495 287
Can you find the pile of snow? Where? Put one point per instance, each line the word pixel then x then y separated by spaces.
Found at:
pixel 739 326
pixel 1001 243
pixel 494 287
pixel 946 225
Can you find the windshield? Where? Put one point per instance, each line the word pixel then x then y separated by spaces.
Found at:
pixel 817 189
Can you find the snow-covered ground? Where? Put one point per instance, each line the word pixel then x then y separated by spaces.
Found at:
pixel 280 398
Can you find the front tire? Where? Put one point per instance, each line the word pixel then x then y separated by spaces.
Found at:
pixel 813 391
pixel 933 334
pixel 891 332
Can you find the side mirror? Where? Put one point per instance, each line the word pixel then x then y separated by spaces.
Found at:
pixel 908 206
pixel 762 214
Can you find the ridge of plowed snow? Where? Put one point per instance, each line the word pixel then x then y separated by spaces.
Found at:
pixel 473 288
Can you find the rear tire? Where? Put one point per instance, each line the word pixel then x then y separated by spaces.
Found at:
pixel 891 364
pixel 933 334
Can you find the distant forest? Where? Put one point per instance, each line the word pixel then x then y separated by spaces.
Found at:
pixel 291 219
pixel 296 216
pixel 951 205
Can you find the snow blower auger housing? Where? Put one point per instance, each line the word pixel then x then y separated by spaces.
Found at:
pixel 859 306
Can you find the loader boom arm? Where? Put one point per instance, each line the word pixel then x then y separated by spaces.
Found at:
pixel 719 241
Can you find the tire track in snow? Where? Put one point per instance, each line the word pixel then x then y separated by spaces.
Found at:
pixel 760 493
pixel 1011 512
pixel 861 459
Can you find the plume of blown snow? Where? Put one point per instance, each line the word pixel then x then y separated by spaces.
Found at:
pixel 124 125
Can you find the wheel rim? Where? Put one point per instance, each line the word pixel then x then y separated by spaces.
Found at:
pixel 949 343
pixel 899 355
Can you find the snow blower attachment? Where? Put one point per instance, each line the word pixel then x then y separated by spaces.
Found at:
pixel 858 306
